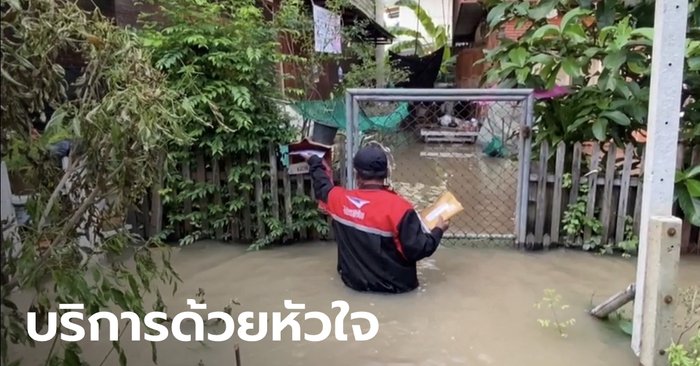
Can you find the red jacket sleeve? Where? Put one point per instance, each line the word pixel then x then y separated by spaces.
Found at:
pixel 322 180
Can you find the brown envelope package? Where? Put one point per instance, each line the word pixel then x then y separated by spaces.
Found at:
pixel 446 206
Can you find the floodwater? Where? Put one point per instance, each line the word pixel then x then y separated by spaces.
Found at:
pixel 474 307
pixel 486 186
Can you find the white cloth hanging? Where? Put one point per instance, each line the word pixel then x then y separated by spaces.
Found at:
pixel 327 31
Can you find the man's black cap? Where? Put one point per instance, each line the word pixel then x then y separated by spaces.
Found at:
pixel 371 163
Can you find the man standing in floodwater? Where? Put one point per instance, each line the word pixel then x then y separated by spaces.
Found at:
pixel 380 235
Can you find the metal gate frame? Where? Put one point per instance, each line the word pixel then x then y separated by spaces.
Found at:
pixel 526 96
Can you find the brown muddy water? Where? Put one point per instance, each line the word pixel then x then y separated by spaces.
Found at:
pixel 474 307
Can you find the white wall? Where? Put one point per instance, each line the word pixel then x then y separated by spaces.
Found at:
pixel 439 10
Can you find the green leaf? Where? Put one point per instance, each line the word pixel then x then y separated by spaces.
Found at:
pixel 689 205
pixel 693 186
pixel 518 56
pixel 617 117
pixel 496 14
pixel 576 33
pixel 647 33
pixel 571 15
pixel 605 14
pixel 421 14
pixel 614 60
pixel 403 31
pixel 154 353
pixel 542 58
pixel 577 123
pixel 522 74
pixel 544 31
pixel 599 129
pixel 693 172
pixel 122 358
pixel 626 326
pixel 590 52
pixel 552 78
pixel 70 356
pixel 543 9
pixel 694 63
pixel 570 67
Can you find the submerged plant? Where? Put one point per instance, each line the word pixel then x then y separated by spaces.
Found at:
pixel 552 301
pixel 680 355
pixel 576 220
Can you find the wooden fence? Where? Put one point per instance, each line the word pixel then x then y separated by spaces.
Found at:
pixel 611 175
pixel 274 194
pixel 612 201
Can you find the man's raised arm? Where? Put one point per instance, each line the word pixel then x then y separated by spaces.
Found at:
pixel 321 177
pixel 416 240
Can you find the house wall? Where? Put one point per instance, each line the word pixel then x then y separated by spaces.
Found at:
pixel 469 75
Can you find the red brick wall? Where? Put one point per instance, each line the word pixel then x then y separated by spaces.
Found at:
pixel 511 32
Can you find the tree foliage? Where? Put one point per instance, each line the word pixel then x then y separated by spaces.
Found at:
pixel 223 57
pixel 435 36
pixel 605 50
pixel 119 116
pixel 293 21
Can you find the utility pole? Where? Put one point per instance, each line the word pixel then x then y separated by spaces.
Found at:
pixel 670 22
pixel 379 50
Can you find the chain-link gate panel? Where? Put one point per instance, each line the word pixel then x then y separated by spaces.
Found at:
pixel 468 142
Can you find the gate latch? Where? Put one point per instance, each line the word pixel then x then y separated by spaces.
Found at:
pixel 525 131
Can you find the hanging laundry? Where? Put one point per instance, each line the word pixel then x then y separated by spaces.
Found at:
pixel 327 31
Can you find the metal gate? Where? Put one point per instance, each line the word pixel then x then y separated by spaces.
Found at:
pixel 474 143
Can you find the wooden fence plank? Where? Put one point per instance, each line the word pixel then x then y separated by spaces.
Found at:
pixel 247 217
pixel 624 194
pixel 301 192
pixel 531 208
pixel 592 188
pixel 233 220
pixel 216 181
pixel 557 195
pixel 287 191
pixel 605 214
pixel 260 206
pixel 156 219
pixel 156 225
pixel 202 178
pixel 143 219
pixel 600 181
pixel 187 176
pixel 638 198
pixel 541 193
pixel 575 172
pixel 274 183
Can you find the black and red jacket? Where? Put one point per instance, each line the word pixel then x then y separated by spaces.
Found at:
pixel 379 234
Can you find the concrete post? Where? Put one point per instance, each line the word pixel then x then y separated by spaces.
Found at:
pixel 379 51
pixel 663 255
pixel 670 21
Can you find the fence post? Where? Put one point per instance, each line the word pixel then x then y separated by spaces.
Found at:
pixel 156 219
pixel 661 270
pixel 670 23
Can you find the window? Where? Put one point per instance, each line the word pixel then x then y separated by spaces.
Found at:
pixel 392 12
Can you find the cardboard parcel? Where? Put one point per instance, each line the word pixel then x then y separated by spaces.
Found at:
pixel 445 206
